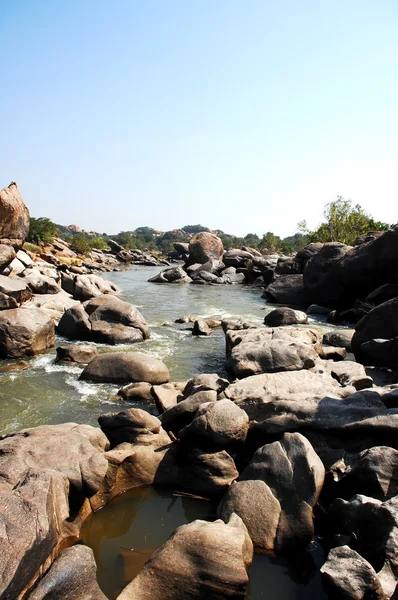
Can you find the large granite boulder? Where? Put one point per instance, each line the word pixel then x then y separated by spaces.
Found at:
pixel 285 316
pixel 85 287
pixel 205 246
pixel 377 327
pixel 287 289
pixel 293 475
pixel 25 332
pixel 126 367
pixel 338 274
pixel 80 354
pixel 171 275
pixel 346 575
pixel 200 560
pixel 255 351
pixel 73 576
pixel 15 287
pixel 105 319
pixel 7 255
pixel 208 474
pixel 14 217
pixel 216 426
pixel 179 416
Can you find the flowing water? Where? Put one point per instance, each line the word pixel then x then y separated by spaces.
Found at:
pixel 124 533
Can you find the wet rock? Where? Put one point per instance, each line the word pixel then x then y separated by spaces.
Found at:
pixel 294 474
pixel 25 332
pixel 177 417
pixel 73 576
pixel 285 316
pixel 125 367
pixel 200 327
pixel 76 354
pixel 348 576
pixel 14 217
pixel 208 474
pixel 216 426
pixel 205 246
pixel 339 337
pixel 287 289
pixel 225 552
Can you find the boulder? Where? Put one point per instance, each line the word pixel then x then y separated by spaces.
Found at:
pixel 7 302
pixel 205 381
pixel 216 426
pixel 287 266
pixel 140 392
pixel 14 217
pixel 105 319
pixel 54 305
pixel 75 451
pixel 25 332
pixel 348 576
pixel 208 474
pixel 200 327
pixel 339 338
pixel 237 258
pixel 339 274
pixel 373 527
pixel 200 560
pixel 381 323
pixel 7 255
pixel 86 286
pixel 40 284
pixel 177 417
pixel 79 354
pixel 346 372
pixel 382 294
pixel 287 289
pixel 204 246
pixel 73 576
pixel 132 425
pixel 126 367
pixel 256 351
pixel 166 395
pixel 285 316
pixel 16 288
pixel 172 275
pixel 33 511
pixel 294 475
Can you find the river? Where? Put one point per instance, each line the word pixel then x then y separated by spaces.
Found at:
pixel 47 393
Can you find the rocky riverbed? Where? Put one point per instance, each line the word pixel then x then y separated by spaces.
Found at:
pixel 262 413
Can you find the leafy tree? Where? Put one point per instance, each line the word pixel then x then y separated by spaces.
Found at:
pixel 344 223
pixel 42 230
pixel 80 244
pixel 97 243
pixel 194 228
pixel 270 242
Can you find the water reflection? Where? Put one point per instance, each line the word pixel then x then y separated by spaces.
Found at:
pixel 126 532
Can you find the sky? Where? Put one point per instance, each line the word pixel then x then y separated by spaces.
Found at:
pixel 241 116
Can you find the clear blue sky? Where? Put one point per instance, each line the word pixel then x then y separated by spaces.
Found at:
pixel 244 116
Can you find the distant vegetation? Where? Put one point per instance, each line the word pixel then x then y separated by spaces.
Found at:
pixel 344 222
